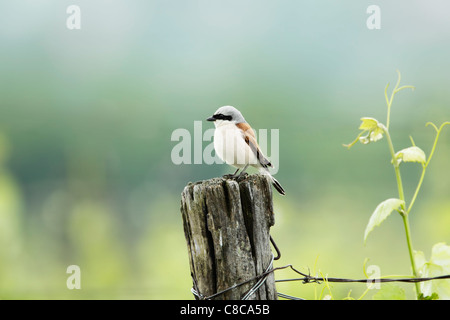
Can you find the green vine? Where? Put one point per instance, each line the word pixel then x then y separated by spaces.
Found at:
pixel 372 131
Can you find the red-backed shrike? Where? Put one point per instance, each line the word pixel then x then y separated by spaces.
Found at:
pixel 235 143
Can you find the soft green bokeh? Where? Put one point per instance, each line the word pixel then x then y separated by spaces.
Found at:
pixel 86 118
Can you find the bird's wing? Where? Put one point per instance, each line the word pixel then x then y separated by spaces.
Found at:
pixel 250 139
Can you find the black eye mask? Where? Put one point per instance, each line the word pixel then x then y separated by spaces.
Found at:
pixel 220 116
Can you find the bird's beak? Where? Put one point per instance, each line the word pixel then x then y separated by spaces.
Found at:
pixel 211 119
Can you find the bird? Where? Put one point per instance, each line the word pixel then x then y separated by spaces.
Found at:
pixel 235 143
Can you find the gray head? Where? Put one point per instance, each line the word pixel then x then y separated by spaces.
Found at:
pixel 227 113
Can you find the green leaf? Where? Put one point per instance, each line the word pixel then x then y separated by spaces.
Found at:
pixel 372 129
pixel 411 154
pixel 390 291
pixel 382 211
pixel 368 124
pixel 438 265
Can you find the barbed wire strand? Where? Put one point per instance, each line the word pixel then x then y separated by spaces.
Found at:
pixel 306 278
pixel 260 281
pixel 310 279
pixel 286 296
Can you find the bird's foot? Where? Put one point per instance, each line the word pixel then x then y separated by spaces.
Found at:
pixel 242 176
pixel 238 177
pixel 230 176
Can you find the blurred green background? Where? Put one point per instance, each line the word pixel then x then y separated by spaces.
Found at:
pixel 86 118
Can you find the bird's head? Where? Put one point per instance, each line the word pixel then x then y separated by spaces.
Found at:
pixel 226 114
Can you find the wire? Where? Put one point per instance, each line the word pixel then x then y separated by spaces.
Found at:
pixel 260 281
pixel 305 279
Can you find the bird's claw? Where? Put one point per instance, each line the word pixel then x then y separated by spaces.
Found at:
pixel 230 176
pixel 237 177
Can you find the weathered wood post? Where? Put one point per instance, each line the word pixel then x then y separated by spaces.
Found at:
pixel 226 225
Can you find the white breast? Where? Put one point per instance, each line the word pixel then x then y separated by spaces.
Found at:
pixel 231 147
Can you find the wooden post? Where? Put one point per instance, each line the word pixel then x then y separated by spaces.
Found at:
pixel 226 225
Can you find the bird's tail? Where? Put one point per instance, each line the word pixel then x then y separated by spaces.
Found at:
pixel 275 182
pixel 278 186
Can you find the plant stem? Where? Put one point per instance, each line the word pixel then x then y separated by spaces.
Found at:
pixel 404 212
pixel 411 252
pixel 424 168
pixel 398 177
